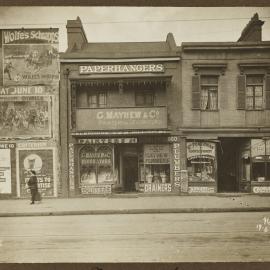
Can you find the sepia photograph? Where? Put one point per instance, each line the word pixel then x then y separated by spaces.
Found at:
pixel 135 134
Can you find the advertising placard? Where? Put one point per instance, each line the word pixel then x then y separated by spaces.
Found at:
pixel 5 171
pixel 156 187
pixel 261 189
pixel 201 189
pixel 30 56
pixel 42 162
pixel 124 118
pixel 260 147
pixel 96 189
pixel 156 154
pixel 25 116
pixel 200 150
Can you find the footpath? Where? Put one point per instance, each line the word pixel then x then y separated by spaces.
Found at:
pixel 119 204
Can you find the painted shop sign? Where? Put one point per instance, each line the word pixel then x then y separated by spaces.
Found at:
pixel 200 150
pixel 96 189
pixel 34 145
pixel 176 164
pixel 25 116
pixel 156 187
pixel 201 189
pixel 7 145
pixel 261 189
pixel 30 35
pixel 107 140
pixel 30 57
pixel 41 161
pixel 260 147
pixel 71 166
pixel 125 118
pixel 5 171
pixel 26 90
pixel 156 154
pixel 130 68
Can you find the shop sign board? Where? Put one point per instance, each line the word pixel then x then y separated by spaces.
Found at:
pixel 25 116
pixel 200 150
pixel 156 154
pixel 107 140
pixel 260 147
pixel 176 165
pixel 96 189
pixel 42 162
pixel 120 68
pixel 156 187
pixel 71 166
pixel 124 118
pixel 201 189
pixel 5 171
pixel 30 56
pixel 261 189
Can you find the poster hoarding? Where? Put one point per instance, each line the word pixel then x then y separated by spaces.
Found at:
pixel 42 162
pixel 25 116
pixel 5 171
pixel 30 56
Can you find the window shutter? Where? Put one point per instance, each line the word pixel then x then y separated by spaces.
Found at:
pixel 267 92
pixel 196 94
pixel 241 92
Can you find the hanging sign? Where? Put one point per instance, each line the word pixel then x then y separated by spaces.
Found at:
pixel 156 154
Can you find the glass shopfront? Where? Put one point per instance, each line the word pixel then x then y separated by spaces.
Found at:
pixel 201 166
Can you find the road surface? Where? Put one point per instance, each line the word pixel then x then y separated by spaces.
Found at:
pixel 200 237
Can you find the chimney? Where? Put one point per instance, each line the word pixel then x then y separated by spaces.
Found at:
pixel 75 35
pixel 253 30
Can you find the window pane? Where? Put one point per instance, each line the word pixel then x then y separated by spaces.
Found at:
pixel 256 79
pixel 104 173
pixel 213 100
pixel 149 99
pixel 249 91
pixel 209 80
pixel 249 102
pixel 258 171
pixel 258 91
pixel 204 98
pixel 139 99
pixel 102 100
pixel 258 103
pixel 92 101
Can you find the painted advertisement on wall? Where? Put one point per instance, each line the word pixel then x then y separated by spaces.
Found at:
pixel 25 116
pixel 5 171
pixel 42 162
pixel 30 56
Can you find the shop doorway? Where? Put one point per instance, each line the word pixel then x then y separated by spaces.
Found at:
pixel 227 165
pixel 130 173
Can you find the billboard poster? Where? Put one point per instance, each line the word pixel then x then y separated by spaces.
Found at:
pixel 41 161
pixel 30 56
pixel 5 171
pixel 25 116
pixel 156 154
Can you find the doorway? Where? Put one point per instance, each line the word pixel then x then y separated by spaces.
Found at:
pixel 130 173
pixel 227 165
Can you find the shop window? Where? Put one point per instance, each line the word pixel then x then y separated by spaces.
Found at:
pixel 97 100
pixel 201 159
pixel 144 98
pixel 261 171
pixel 96 164
pixel 209 93
pixel 155 164
pixel 254 92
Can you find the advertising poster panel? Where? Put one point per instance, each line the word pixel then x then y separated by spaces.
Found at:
pixel 42 162
pixel 25 116
pixel 5 171
pixel 30 56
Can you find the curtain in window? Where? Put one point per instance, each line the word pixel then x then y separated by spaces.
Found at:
pixel 204 99
pixel 213 100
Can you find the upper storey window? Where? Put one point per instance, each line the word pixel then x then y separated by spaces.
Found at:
pixel 144 98
pixel 97 99
pixel 209 93
pixel 254 92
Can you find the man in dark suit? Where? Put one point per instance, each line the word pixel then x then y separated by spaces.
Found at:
pixel 33 186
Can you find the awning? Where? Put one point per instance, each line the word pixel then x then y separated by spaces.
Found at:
pixel 124 79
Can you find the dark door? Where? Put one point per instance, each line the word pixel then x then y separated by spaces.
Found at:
pixel 227 166
pixel 130 173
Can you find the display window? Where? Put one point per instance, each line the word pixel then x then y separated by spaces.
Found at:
pixel 201 161
pixel 96 164
pixel 155 164
pixel 260 153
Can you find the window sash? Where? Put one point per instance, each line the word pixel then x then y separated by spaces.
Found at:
pixel 144 99
pixel 209 98
pixel 96 100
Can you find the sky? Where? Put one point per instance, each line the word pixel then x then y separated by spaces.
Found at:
pixel 138 24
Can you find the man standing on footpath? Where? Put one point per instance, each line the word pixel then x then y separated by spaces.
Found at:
pixel 32 184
